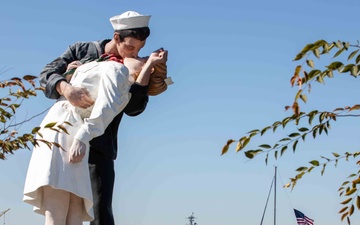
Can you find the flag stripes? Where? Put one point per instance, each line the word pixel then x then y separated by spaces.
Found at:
pixel 301 219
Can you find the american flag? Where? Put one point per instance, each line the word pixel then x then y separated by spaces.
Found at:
pixel 301 219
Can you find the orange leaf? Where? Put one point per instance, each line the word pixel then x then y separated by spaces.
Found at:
pixel 296 75
pixel 299 82
pixel 292 81
pixel 296 109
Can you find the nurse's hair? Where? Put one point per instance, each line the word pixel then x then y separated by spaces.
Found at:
pixel 157 84
pixel 157 81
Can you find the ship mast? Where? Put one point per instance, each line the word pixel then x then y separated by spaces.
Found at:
pixel 275 195
pixel 3 214
pixel 192 219
pixel 273 183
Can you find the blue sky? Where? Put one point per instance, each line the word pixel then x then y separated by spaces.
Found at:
pixel 231 62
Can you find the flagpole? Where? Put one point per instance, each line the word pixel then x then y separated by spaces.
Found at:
pixel 275 196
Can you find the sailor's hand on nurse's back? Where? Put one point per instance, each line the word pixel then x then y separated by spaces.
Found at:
pixel 73 65
pixel 70 70
pixel 77 96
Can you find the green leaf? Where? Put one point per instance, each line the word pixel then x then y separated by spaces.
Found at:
pixel 238 147
pixel 347 68
pixel 322 116
pixel 335 65
pixel 303 136
pixel 266 146
pixel 285 121
pixel 314 133
pixel 299 176
pixel 335 154
pixel 320 43
pixel 243 139
pixel 283 149
pixel 300 169
pixel 299 56
pixel 285 139
pixel 40 134
pixel 323 170
pixel 294 135
pixel 307 48
pixel 303 98
pixel 326 48
pixel 303 129
pixel 13 107
pixel 311 115
pixel 225 149
pixel 353 54
pixel 326 130
pixel 247 140
pixel 68 123
pixel 226 146
pixel 252 135
pixel 337 44
pixel 354 71
pixel 252 153
pixel 320 79
pixel 276 125
pixel 321 128
pixel 298 95
pixel 313 73
pixel 346 45
pixel 316 53
pixel 6 99
pixel 314 163
pixel 338 52
pixel 294 145
pixel 310 63
pixel 50 125
pixel 35 130
pixel 264 130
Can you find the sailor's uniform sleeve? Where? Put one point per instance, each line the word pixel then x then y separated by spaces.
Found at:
pixel 113 96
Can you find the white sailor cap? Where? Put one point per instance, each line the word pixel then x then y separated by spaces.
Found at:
pixel 129 20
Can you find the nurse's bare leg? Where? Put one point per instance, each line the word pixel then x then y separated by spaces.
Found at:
pixel 75 213
pixel 56 203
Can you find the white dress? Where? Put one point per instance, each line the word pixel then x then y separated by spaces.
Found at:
pixel 108 83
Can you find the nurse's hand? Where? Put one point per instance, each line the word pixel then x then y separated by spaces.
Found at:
pixel 77 151
pixel 158 56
